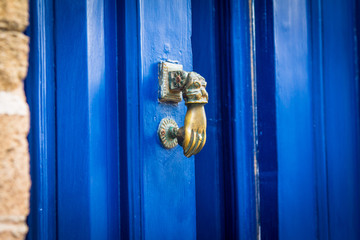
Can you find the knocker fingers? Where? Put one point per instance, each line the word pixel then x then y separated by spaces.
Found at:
pixel 189 141
pixel 202 142
pixel 192 144
pixel 195 145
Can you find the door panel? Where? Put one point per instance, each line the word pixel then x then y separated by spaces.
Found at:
pixel 113 178
pixel 294 121
pixel 87 159
pixel 155 173
pixel 341 112
pixel 283 114
pixel 317 110
pixel 168 177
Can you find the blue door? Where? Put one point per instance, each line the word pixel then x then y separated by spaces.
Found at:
pixel 281 159
pixel 98 167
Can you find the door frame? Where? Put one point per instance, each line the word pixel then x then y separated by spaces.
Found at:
pixel 40 94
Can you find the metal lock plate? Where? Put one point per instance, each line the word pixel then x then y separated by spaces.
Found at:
pixel 168 93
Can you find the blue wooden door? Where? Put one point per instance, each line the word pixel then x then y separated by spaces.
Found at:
pixel 283 109
pixel 98 168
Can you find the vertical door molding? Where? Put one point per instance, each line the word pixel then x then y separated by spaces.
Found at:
pixel 87 122
pixel 294 117
pixel 128 50
pixel 317 106
pixel 239 118
pixel 341 115
pixel 266 120
pixel 40 93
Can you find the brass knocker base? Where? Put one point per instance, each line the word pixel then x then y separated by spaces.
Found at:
pixel 167 132
pixel 170 134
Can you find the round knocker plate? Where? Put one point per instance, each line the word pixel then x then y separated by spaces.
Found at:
pixel 165 132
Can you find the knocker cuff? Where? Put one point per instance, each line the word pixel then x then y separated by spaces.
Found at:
pixel 194 90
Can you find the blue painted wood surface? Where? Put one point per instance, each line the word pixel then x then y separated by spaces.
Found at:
pixel 222 53
pixel 210 222
pixel 239 109
pixel 40 93
pixel 162 43
pixel 296 173
pixel 341 113
pixel 266 120
pixel 168 177
pixel 317 119
pixel 87 176
pixel 129 142
pixel 87 157
pixel 112 176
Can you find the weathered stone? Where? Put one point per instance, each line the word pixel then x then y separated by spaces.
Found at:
pixel 12 104
pixel 14 50
pixel 14 120
pixel 12 227
pixel 14 165
pixel 14 14
pixel 12 231
pixel 12 235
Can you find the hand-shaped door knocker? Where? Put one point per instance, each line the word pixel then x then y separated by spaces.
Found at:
pixel 173 82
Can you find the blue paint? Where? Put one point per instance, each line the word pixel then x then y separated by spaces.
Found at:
pixel 87 119
pixel 225 180
pixel 72 121
pixel 317 119
pixel 296 173
pixel 168 177
pixel 129 143
pixel 208 163
pixel 86 122
pixel 40 93
pixel 341 111
pixel 266 121
pixel 112 124
pixel 238 122
pixel 289 113
pixel 242 121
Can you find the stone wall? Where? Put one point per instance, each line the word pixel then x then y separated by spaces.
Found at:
pixel 14 120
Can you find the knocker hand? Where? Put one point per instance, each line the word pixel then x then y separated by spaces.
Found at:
pixel 192 136
pixel 194 129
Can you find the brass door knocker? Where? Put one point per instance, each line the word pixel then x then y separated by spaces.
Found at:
pixel 174 81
